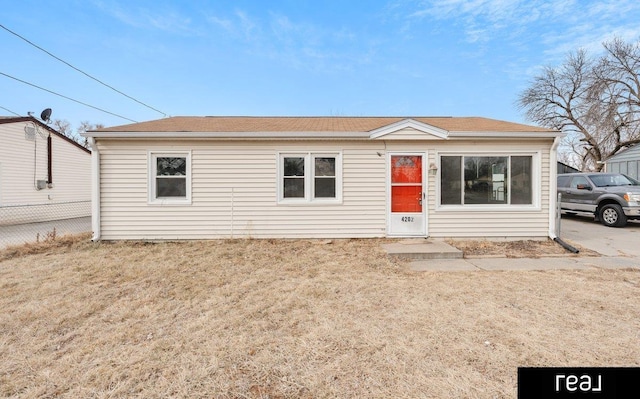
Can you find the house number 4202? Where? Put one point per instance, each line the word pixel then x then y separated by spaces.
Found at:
pixel 407 219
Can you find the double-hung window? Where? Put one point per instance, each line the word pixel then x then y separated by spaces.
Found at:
pixel 170 178
pixel 309 177
pixel 487 180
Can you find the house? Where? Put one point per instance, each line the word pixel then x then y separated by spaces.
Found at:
pixel 564 168
pixel 44 175
pixel 626 162
pixel 323 177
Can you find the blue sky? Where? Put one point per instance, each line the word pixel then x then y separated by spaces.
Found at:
pixel 293 58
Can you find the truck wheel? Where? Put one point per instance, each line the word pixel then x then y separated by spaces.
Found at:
pixel 611 215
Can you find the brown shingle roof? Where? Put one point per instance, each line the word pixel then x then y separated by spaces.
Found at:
pixel 315 124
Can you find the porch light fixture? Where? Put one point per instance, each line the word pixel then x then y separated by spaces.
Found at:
pixel 433 169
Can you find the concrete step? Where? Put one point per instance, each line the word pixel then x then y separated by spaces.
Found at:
pixel 420 248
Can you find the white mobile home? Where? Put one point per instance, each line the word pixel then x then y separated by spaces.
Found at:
pixel 288 177
pixel 43 175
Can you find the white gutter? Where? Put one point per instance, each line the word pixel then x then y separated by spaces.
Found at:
pixel 377 134
pixel 553 186
pixel 95 189
pixel 231 135
pixel 510 135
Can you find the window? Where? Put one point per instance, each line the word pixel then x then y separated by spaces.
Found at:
pixel 309 177
pixel 294 177
pixel 170 175
pixel 563 181
pixel 324 184
pixel 486 180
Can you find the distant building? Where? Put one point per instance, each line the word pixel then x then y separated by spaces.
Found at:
pixel 626 162
pixel 44 175
pixel 564 168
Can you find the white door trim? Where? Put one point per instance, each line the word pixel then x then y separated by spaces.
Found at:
pixel 407 224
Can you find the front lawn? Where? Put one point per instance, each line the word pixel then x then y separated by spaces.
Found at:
pixel 293 319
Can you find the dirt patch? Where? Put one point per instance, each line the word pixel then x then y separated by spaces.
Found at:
pixel 293 319
pixel 516 249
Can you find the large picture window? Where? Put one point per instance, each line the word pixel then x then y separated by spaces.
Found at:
pixel 169 178
pixel 310 177
pixel 486 180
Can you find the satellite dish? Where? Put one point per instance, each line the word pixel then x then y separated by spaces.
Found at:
pixel 46 115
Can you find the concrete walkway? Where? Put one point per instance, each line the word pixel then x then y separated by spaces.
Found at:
pixel 420 249
pixel 619 248
pixel 545 263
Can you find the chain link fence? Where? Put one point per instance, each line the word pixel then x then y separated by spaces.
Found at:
pixel 21 224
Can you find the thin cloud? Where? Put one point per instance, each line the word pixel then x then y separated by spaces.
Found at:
pixel 566 24
pixel 295 44
pixel 225 23
pixel 248 27
pixel 588 25
pixel 167 20
pixel 481 20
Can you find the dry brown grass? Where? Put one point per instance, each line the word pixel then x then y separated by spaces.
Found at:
pixel 517 248
pixel 294 319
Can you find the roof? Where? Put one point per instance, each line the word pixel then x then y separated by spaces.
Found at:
pixel 238 124
pixel 625 153
pixel 17 119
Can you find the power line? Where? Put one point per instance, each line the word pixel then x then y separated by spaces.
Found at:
pixel 65 97
pixel 82 72
pixel 8 110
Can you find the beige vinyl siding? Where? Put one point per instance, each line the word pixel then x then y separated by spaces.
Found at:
pixel 492 221
pixel 234 192
pixel 235 184
pixel 24 161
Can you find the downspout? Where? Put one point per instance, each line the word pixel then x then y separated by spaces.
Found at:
pixel 553 187
pixel 95 189
pixel 49 161
pixel 553 196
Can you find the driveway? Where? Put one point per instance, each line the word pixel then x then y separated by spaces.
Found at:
pixel 608 241
pixel 31 232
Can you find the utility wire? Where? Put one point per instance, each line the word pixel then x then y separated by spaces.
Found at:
pixel 8 110
pixel 65 97
pixel 82 72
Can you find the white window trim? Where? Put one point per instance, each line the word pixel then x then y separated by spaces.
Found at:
pixel 151 172
pixel 309 178
pixel 536 179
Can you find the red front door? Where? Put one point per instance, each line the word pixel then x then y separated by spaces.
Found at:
pixel 407 192
pixel 406 183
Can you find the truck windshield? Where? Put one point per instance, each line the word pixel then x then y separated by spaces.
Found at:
pixel 612 180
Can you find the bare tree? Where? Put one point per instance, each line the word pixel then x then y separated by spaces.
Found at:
pixel 594 100
pixel 615 94
pixel 64 127
pixel 84 127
